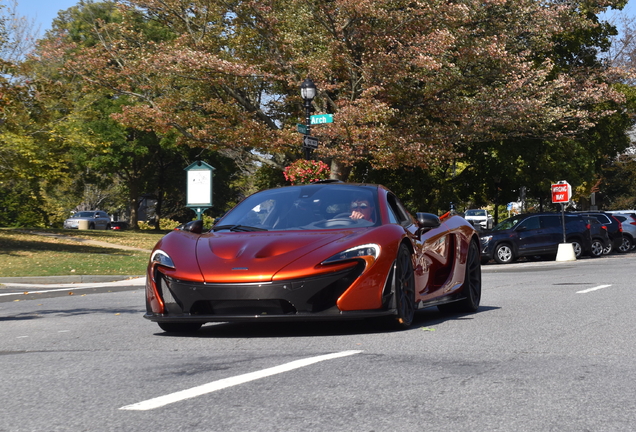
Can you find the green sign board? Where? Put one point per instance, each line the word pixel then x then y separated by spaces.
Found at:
pixel 301 128
pixel 321 119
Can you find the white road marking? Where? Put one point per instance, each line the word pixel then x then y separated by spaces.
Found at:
pixel 593 289
pixel 70 287
pixel 232 381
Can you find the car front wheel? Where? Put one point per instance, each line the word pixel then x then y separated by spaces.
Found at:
pixel 504 254
pixel 404 288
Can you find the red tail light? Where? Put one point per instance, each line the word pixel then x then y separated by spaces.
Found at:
pixel 588 226
pixel 604 227
pixel 620 225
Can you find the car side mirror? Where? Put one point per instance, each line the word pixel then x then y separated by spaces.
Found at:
pixel 195 227
pixel 428 220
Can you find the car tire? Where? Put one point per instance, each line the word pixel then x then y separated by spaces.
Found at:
pixel 471 289
pixel 578 248
pixel 91 226
pixel 403 288
pixel 596 250
pixel 504 254
pixel 608 249
pixel 627 244
pixel 180 327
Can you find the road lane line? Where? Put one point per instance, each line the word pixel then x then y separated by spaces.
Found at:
pixel 229 382
pixel 593 289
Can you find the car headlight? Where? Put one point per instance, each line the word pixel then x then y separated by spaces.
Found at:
pixel 367 252
pixel 485 239
pixel 161 258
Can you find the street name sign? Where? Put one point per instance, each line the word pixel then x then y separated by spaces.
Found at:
pixel 321 119
pixel 301 128
pixel 310 142
pixel 561 192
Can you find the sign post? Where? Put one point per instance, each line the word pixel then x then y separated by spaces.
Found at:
pixel 562 193
pixel 199 187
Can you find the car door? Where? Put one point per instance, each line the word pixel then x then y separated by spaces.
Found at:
pixel 553 231
pixel 102 220
pixel 431 249
pixel 532 238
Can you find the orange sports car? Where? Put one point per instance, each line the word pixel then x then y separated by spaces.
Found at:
pixel 324 251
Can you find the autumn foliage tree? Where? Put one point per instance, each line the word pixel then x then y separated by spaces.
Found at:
pixel 409 83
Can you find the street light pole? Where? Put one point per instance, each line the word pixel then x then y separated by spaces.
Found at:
pixel 308 93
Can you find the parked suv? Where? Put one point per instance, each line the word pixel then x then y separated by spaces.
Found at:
pixel 628 221
pixel 480 219
pixel 600 237
pixel 537 234
pixel 614 228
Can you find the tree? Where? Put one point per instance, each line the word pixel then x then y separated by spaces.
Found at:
pixel 410 83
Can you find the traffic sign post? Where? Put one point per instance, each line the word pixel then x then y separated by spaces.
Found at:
pixel 562 193
pixel 310 142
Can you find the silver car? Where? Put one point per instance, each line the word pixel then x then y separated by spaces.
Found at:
pixel 628 221
pixel 93 219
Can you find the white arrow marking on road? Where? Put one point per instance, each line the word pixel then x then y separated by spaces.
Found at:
pixel 232 381
pixel 593 289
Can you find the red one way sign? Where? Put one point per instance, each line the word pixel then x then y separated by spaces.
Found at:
pixel 561 192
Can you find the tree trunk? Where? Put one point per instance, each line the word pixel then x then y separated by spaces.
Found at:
pixel 133 201
pixel 339 171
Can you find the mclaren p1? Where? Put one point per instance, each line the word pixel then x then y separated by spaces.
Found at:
pixel 322 251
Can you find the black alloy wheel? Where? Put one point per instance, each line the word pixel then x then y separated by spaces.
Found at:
pixel 471 289
pixel 404 288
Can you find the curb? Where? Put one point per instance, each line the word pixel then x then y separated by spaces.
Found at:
pixel 44 280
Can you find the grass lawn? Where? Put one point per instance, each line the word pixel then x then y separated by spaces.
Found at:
pixel 26 254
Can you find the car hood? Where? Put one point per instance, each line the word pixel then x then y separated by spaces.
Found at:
pixel 259 256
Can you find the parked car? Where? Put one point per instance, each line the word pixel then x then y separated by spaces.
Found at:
pixel 481 219
pixel 628 222
pixel 614 229
pixel 96 219
pixel 536 234
pixel 324 251
pixel 600 237
pixel 119 225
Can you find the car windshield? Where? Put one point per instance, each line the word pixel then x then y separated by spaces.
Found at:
pixel 84 214
pixel 317 206
pixel 508 223
pixel 475 213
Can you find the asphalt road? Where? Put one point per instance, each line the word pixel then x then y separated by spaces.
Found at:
pixel 551 349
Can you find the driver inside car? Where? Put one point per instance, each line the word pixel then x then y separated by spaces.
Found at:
pixel 361 209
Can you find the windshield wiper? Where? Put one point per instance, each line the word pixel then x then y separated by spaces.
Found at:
pixel 237 228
